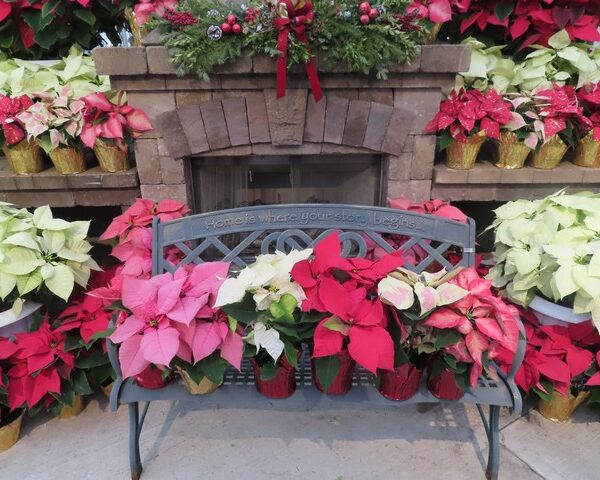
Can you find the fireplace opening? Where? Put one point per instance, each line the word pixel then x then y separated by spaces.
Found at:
pixel 229 182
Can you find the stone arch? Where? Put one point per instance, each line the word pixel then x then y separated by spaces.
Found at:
pixel 293 124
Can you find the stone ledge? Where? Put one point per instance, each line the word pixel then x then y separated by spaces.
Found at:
pixel 120 60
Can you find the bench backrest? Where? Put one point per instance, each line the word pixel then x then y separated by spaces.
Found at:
pixel 239 234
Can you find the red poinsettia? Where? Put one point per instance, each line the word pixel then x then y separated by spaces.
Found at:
pixel 589 97
pixel 39 364
pixel 559 107
pixel 145 9
pixel 89 317
pixel 488 326
pixel 467 112
pixel 555 354
pixel 343 288
pixel 13 129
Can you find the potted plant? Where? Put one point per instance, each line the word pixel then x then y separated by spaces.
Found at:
pixel 518 137
pixel 352 321
pixel 466 118
pixel 468 334
pixel 10 422
pixel 166 323
pixel 415 297
pixel 110 128
pixel 24 157
pixel 546 256
pixel 42 375
pixel 559 367
pixel 587 153
pixel 42 258
pixel 264 300
pixel 558 110
pixel 56 123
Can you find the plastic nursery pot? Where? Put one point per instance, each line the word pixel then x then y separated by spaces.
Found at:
pixel 444 387
pixel 510 152
pixel 550 313
pixel 462 155
pixel 342 382
pixel 110 157
pixel 152 378
pixel 9 433
pixel 401 383
pixel 283 385
pixel 68 160
pixel 202 388
pixel 561 407
pixel 550 154
pixel 587 153
pixel 70 411
pixel 25 157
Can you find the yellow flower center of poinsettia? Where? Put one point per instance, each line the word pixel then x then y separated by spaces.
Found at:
pixel 153 323
pixel 273 289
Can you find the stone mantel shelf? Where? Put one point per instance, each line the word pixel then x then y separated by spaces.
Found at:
pixel 90 188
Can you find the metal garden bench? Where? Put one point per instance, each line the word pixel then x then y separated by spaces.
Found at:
pixel 239 234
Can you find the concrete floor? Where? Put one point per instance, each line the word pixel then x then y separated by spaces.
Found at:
pixel 413 442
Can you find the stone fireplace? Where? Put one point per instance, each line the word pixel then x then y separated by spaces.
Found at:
pixel 230 142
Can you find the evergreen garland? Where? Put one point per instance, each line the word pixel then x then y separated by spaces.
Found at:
pixel 197 42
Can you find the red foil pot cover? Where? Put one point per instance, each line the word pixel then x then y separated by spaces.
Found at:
pixel 444 386
pixel 151 378
pixel 282 386
pixel 343 381
pixel 400 383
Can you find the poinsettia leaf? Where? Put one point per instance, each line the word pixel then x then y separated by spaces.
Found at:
pixel 160 345
pixel 371 347
pixel 327 369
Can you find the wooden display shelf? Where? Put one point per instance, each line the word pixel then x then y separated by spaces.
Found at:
pixel 90 188
pixel 486 182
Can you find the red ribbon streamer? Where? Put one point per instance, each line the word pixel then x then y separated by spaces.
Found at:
pixel 296 22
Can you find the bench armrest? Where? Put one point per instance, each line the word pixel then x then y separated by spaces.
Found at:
pixel 113 356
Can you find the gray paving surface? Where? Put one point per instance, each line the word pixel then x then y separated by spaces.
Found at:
pixel 412 442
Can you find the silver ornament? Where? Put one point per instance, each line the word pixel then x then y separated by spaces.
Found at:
pixel 346 14
pixel 259 27
pixel 214 32
pixel 244 7
pixel 380 9
pixel 213 13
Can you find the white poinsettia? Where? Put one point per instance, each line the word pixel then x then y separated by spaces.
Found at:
pixel 39 250
pixel 268 279
pixel 400 287
pixel 265 337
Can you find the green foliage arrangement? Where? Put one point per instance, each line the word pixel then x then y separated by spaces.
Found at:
pixel 203 34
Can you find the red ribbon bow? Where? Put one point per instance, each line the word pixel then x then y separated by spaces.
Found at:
pixel 294 19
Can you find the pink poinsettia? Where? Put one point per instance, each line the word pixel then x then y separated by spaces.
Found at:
pixel 485 322
pixel 13 129
pixel 438 11
pixel 172 315
pixel 106 120
pixel 145 9
pixel 559 108
pixel 589 97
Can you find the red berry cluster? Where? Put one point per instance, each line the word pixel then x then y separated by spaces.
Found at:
pixel 231 25
pixel 180 19
pixel 367 13
pixel 251 14
pixel 409 22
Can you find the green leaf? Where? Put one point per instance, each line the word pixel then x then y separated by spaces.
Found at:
pixel 312 317
pixel 445 141
pixel 85 15
pixel 28 283
pixel 291 353
pixel 268 371
pixel 446 337
pixel 337 325
pixel 96 358
pixel 213 367
pixel 244 312
pixel 327 368
pixel 72 342
pixel 504 9
pixel 81 385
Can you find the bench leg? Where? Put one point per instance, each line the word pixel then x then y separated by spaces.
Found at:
pixel 494 441
pixel 135 462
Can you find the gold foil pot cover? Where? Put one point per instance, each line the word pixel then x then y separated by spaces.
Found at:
pixel 462 155
pixel 561 407
pixel 67 411
pixel 510 152
pixel 68 160
pixel 25 157
pixel 205 386
pixel 587 153
pixel 550 154
pixel 9 434
pixel 110 157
